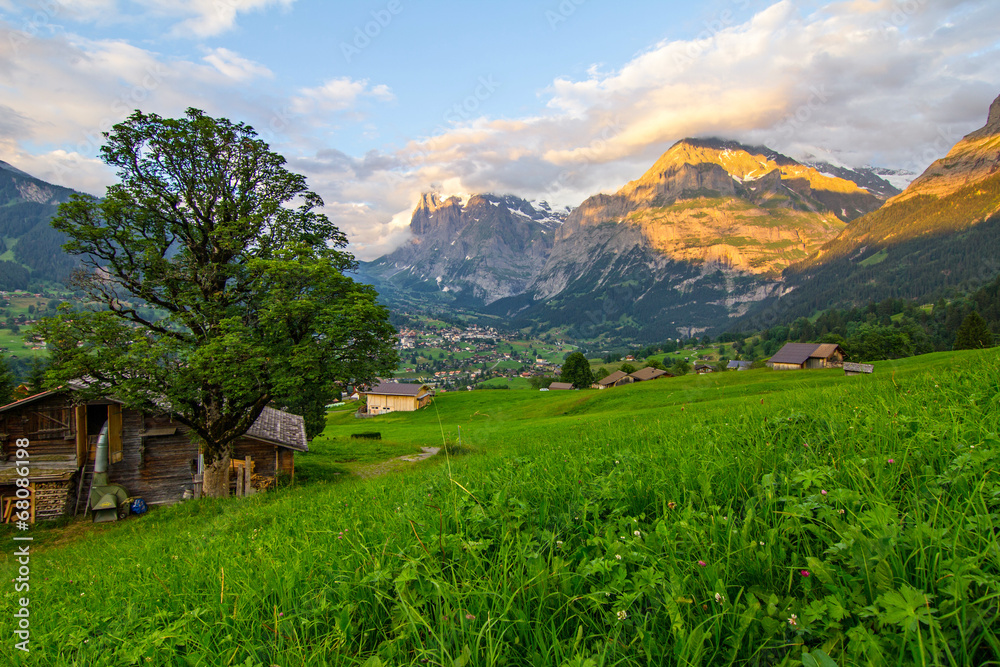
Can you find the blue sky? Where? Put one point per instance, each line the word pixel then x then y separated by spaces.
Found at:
pixel 552 100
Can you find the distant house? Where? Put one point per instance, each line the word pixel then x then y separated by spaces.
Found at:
pixel 648 373
pixel 397 397
pixel 802 356
pixel 738 365
pixel 851 368
pixel 616 379
pixel 701 369
pixel 560 386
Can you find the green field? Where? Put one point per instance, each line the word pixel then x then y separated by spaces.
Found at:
pixel 754 518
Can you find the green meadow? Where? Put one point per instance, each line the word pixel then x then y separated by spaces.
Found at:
pixel 751 518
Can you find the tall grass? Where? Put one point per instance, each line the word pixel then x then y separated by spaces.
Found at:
pixel 754 518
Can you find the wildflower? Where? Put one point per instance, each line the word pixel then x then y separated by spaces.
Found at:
pixel 618 556
pixel 823 492
pixel 280 614
pixel 82 594
pixel 622 615
pixel 702 563
pixel 804 573
pixel 720 598
pixel 761 543
pixel 793 620
pixel 636 533
pixel 559 544
pixel 671 505
pixel 470 617
pixel 840 511
pixel 892 461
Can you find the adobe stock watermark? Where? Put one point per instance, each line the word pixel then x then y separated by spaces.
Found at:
pixel 22 553
pixel 705 39
pixel 902 12
pixel 363 35
pixel 129 100
pixel 793 122
pixel 40 20
pixel 461 111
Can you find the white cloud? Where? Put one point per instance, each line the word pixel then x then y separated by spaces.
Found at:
pixel 213 17
pixel 236 67
pixel 338 95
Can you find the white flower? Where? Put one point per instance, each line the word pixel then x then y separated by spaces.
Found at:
pixel 719 598
pixel 793 620
pixel 636 533
pixel 618 556
pixel 622 615
pixel 559 543
pixel 761 543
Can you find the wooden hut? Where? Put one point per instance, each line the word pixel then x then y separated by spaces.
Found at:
pixel 649 373
pixel 802 356
pixel 858 369
pixel 616 379
pixel 151 456
pixel 397 397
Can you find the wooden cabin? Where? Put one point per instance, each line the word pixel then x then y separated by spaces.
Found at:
pixel 649 373
pixel 802 356
pixel 397 397
pixel 616 379
pixel 151 456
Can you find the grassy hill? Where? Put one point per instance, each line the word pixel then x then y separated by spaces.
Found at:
pixel 754 518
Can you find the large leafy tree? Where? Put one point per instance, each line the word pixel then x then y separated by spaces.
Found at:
pixel 208 229
pixel 576 369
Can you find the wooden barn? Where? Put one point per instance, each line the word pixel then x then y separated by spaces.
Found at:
pixel 397 397
pixel 616 379
pixel 802 356
pixel 858 369
pixel 151 456
pixel 649 373
pixel 561 386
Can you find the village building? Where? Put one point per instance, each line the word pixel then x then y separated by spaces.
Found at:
pixel 150 455
pixel 802 356
pixel 738 365
pixel 389 397
pixel 851 368
pixel 616 379
pixel 648 373
pixel 701 368
pixel 561 386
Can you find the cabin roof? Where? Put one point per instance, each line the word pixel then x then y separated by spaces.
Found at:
pixel 398 389
pixel 614 377
pixel 648 373
pixel 280 428
pixel 561 386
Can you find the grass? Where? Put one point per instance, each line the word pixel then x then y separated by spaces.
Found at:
pixel 754 518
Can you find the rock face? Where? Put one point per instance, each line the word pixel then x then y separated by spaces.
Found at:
pixel 718 202
pixel 698 239
pixel 942 232
pixel 481 250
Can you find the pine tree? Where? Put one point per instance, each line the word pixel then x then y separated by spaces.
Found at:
pixel 973 333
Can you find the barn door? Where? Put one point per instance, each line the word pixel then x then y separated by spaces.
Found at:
pixel 82 449
pixel 114 433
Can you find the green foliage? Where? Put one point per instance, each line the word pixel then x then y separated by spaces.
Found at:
pixel 680 367
pixel 974 333
pixel 208 226
pixel 7 382
pixel 627 368
pixel 576 370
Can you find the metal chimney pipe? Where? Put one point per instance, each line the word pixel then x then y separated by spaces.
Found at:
pixel 101 458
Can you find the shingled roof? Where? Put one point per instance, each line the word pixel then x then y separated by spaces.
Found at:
pixel 798 353
pixel 280 428
pixel 613 378
pixel 648 373
pixel 398 389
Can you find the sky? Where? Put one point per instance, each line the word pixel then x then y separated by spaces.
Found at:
pixel 377 101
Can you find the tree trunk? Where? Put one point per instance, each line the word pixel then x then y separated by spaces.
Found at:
pixel 216 477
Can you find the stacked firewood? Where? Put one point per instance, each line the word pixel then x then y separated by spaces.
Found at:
pixel 50 499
